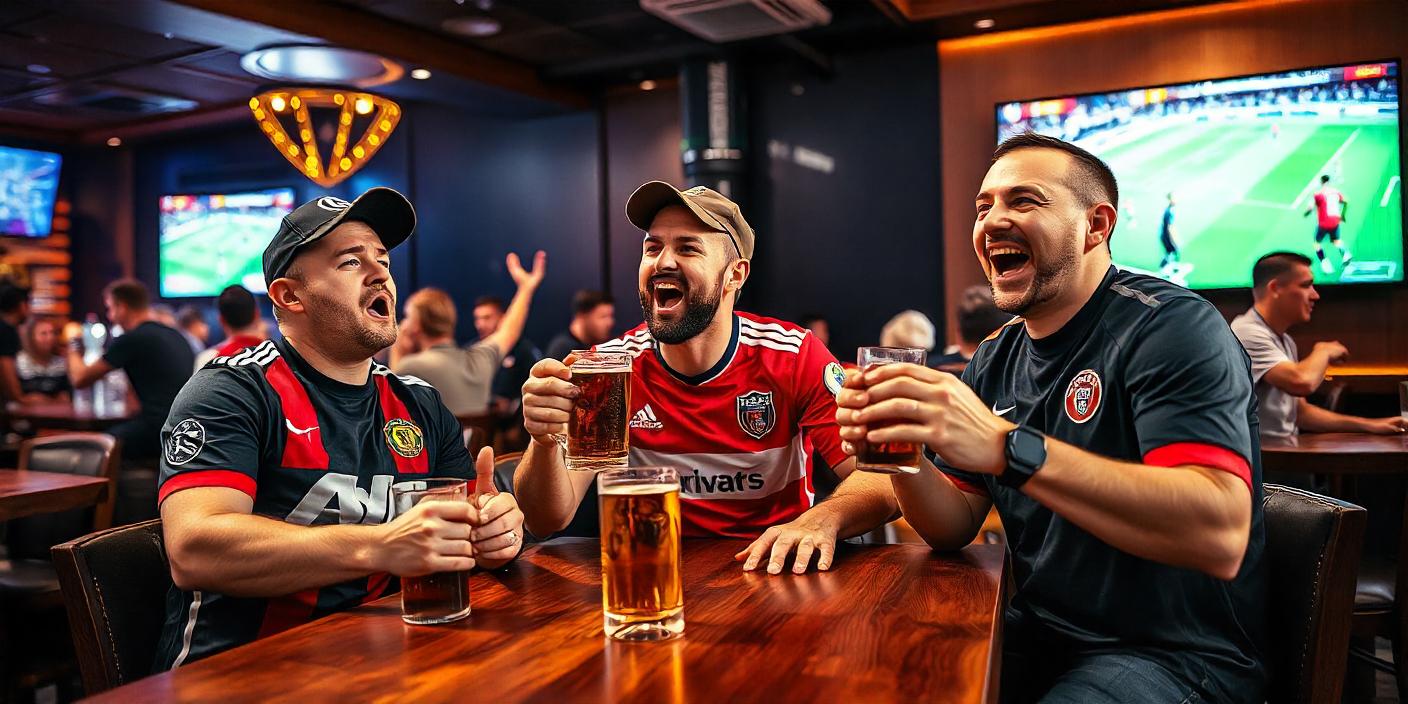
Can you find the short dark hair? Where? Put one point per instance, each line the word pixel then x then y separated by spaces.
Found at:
pixel 12 297
pixel 808 318
pixel 978 316
pixel 189 315
pixel 1095 181
pixel 129 292
pixel 494 301
pixel 237 307
pixel 1272 266
pixel 1324 178
pixel 587 300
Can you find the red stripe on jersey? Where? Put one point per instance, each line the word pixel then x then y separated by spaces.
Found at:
pixel 377 586
pixel 393 408
pixel 207 477
pixel 235 344
pixel 1200 455
pixel 302 449
pixel 285 612
pixel 967 486
pixel 743 518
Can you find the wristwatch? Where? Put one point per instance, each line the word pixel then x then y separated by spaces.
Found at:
pixel 1026 453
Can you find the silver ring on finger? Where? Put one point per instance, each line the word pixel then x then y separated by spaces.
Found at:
pixel 512 538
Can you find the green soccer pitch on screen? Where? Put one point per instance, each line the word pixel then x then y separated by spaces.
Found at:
pixel 1217 173
pixel 209 242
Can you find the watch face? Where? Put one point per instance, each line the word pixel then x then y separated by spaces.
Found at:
pixel 1029 447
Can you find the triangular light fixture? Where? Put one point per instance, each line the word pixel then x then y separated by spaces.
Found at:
pixel 286 115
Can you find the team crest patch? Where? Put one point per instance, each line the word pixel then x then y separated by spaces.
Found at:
pixel 403 437
pixel 756 414
pixel 186 441
pixel 1083 396
pixel 833 376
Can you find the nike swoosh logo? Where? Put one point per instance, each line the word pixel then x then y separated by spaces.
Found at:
pixel 1004 411
pixel 298 431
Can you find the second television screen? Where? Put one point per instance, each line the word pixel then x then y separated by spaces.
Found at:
pixel 212 241
pixel 1228 170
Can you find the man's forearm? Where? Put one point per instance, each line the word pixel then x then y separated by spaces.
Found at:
pixel 862 502
pixel 77 371
pixel 253 556
pixel 1314 419
pixel 1312 369
pixel 1192 517
pixel 936 509
pixel 515 317
pixel 546 493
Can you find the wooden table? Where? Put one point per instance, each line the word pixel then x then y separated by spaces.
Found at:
pixel 63 416
pixel 1336 453
pixel 27 493
pixel 887 623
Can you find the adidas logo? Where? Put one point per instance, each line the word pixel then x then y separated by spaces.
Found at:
pixel 645 419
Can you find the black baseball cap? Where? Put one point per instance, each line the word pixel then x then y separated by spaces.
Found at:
pixel 384 210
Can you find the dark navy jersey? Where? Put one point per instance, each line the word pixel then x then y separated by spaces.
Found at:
pixel 1146 372
pixel 308 450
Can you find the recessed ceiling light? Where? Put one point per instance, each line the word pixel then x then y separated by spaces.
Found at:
pixel 647 85
pixel 40 69
pixel 114 141
pixel 985 23
pixel 321 64
pixel 472 26
pixel 420 74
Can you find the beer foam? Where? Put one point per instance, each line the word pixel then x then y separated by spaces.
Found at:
pixel 639 489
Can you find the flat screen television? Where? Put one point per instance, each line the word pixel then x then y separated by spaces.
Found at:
pixel 29 182
pixel 212 241
pixel 1234 168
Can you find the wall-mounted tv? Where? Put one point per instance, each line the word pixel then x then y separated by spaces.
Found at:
pixel 29 182
pixel 1230 169
pixel 212 241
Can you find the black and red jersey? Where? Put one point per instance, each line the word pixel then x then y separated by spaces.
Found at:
pixel 308 450
pixel 1146 372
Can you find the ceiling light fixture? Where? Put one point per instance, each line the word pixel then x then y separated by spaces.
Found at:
pixel 985 23
pixel 420 74
pixel 321 64
pixel 40 69
pixel 474 27
pixel 114 141
pixel 347 154
pixel 647 84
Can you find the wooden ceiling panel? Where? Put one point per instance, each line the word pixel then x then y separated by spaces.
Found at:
pixel 80 33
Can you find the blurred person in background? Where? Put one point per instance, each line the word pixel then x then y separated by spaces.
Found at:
pixel 190 321
pixel 14 310
pixel 42 369
pixel 978 318
pixel 593 317
pixel 908 329
pixel 818 325
pixel 241 322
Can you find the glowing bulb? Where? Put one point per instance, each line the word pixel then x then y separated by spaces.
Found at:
pixel 345 163
pixel 339 98
pixel 253 103
pixel 304 134
pixel 386 125
pixel 294 102
pixel 358 151
pixel 259 113
pixel 292 150
pixel 346 118
pixel 269 127
pixel 278 138
pixel 311 162
pixel 420 74
pixel 373 140
pixel 363 106
pixel 277 103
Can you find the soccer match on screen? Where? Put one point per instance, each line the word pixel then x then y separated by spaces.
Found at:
pixel 209 242
pixel 1216 173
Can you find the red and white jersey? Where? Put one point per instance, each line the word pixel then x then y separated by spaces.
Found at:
pixel 741 434
pixel 1329 205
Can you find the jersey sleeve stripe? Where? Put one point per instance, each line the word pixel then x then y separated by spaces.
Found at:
pixel 744 339
pixel 967 486
pixel 1201 455
pixel 774 329
pixel 779 339
pixel 207 477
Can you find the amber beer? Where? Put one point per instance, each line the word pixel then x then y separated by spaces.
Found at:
pixel 597 435
pixel 888 457
pixel 641 594
pixel 441 597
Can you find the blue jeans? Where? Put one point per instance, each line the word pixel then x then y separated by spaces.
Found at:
pixel 1094 679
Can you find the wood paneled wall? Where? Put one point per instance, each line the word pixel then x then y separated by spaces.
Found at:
pixel 1166 47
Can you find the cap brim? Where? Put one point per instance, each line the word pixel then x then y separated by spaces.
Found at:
pixel 383 209
pixel 654 196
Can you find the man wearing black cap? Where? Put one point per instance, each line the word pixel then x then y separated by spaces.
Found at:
pixel 309 431
pixel 736 401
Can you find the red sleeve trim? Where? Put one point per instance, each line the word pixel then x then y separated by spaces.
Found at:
pixel 1202 455
pixel 968 487
pixel 207 477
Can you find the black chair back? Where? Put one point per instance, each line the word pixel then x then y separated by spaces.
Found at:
pixel 85 454
pixel 115 584
pixel 1313 544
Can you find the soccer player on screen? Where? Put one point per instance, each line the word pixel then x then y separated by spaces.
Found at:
pixel 1330 207
pixel 1166 232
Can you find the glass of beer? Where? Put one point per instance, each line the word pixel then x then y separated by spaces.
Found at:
pixel 888 457
pixel 641 594
pixel 597 436
pixel 441 597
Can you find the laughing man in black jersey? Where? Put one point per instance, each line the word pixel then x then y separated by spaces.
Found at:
pixel 1113 426
pixel 279 460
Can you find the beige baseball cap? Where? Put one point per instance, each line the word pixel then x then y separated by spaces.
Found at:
pixel 711 207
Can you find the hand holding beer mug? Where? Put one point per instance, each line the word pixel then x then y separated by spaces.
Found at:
pixel 642 596
pixel 437 597
pixel 597 436
pixel 888 457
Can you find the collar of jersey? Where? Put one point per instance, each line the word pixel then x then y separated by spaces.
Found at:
pixel 711 373
pixel 325 383
pixel 1078 326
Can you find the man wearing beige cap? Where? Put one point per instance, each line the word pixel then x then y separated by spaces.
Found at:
pixel 737 402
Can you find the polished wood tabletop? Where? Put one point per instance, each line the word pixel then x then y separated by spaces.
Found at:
pixel 24 493
pixel 1336 453
pixel 887 623
pixel 61 415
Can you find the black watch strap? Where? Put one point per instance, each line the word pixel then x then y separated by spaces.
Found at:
pixel 1026 453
